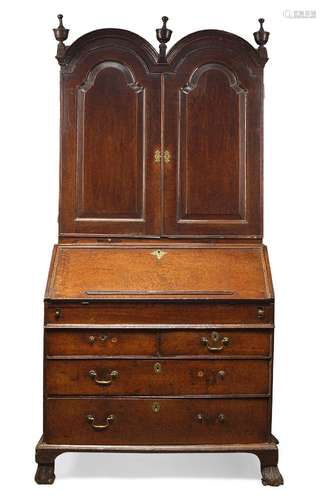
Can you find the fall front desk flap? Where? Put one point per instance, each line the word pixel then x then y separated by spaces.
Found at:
pixel 212 272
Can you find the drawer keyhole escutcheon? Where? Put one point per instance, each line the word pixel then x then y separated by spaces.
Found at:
pixel 100 427
pixel 111 377
pixel 159 254
pixel 57 314
pixel 260 313
pixel 215 339
pixel 157 368
pixel 156 407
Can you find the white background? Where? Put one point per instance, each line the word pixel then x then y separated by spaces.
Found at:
pixel 294 231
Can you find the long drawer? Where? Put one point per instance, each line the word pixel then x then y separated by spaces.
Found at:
pixel 159 313
pixel 150 377
pixel 136 421
pixel 176 342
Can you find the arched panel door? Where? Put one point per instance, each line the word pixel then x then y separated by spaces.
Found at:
pixel 109 104
pixel 212 131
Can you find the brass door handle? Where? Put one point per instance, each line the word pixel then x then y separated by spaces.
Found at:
pixel 215 337
pixel 99 427
pixel 111 377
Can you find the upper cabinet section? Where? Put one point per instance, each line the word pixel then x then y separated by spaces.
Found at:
pixel 161 145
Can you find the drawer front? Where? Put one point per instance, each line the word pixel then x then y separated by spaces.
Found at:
pixel 155 313
pixel 100 343
pixel 156 421
pixel 150 377
pixel 217 342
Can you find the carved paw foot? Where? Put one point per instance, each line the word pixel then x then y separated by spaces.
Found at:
pixel 45 474
pixel 271 476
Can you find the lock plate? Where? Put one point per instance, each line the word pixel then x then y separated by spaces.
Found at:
pixel 157 368
pixel 156 407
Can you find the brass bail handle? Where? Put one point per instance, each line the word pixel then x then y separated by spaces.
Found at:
pixel 111 377
pixel 99 427
pixel 215 337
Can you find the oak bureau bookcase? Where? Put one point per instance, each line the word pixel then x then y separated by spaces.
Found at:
pixel 159 306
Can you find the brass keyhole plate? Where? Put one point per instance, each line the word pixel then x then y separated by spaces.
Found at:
pixel 158 254
pixel 156 407
pixel 157 368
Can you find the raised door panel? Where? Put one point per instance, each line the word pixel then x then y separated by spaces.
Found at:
pixel 211 136
pixel 212 113
pixel 111 136
pixel 108 132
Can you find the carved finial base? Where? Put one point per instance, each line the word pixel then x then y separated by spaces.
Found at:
pixel 271 476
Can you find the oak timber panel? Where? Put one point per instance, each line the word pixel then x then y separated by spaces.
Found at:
pixel 100 342
pixel 109 105
pixel 211 137
pixel 212 129
pixel 176 422
pixel 239 343
pixel 132 312
pixel 226 272
pixel 157 377
pixel 111 138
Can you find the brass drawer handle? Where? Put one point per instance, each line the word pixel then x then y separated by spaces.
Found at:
pixel 201 418
pixel 215 339
pixel 99 427
pixel 112 376
pixel 92 339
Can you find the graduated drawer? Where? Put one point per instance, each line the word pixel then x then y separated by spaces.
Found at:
pixel 133 421
pixel 151 377
pixel 216 342
pixel 156 313
pixel 101 342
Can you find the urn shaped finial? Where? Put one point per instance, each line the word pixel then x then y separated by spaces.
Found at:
pixel 163 35
pixel 261 38
pixel 61 34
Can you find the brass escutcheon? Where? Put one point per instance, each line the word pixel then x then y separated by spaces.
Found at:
pixel 157 368
pixel 166 156
pixel 156 407
pixel 158 254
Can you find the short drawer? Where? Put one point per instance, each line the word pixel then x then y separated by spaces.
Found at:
pixel 159 313
pixel 150 377
pixel 137 421
pixel 216 342
pixel 100 342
